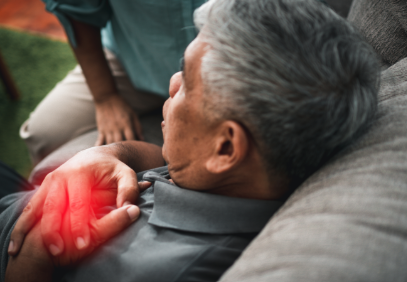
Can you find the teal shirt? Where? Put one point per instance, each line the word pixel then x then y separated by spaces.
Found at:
pixel 149 37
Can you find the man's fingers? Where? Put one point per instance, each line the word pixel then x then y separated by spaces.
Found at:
pixel 101 198
pixel 54 207
pixel 113 223
pixel 143 185
pixel 109 138
pixel 127 187
pixel 31 213
pixel 117 136
pixel 137 128
pixel 79 190
pixel 24 224
pixel 128 133
pixel 101 140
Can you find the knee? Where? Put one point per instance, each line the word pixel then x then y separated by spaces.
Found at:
pixel 39 139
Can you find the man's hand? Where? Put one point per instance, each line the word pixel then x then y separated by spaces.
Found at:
pixel 98 176
pixel 74 185
pixel 34 263
pixel 100 231
pixel 116 121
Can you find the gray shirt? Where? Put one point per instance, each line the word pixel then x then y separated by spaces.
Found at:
pixel 181 235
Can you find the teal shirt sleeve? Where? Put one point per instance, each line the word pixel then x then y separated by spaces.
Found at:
pixel 94 12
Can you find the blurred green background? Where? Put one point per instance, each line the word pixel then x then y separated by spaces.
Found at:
pixel 36 65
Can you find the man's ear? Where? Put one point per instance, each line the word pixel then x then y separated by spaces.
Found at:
pixel 231 147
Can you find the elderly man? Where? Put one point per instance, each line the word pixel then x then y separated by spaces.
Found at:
pixel 268 92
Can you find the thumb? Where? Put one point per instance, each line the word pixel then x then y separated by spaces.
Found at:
pixel 127 188
pixel 101 139
pixel 113 223
pixel 143 185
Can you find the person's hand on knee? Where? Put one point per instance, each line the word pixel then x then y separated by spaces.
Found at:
pixel 116 121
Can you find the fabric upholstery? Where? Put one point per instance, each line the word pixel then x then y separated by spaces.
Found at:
pixel 348 222
pixel 384 25
pixel 341 7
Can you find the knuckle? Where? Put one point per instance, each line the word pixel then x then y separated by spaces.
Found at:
pixel 77 205
pixel 28 208
pixel 98 241
pixel 77 226
pixel 47 234
pixel 54 175
pixel 49 177
pixel 17 232
pixel 49 204
pixel 97 238
pixel 126 170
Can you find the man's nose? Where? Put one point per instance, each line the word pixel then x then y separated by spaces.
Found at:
pixel 175 83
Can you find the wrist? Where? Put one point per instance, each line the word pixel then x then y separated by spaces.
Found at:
pixel 122 152
pixel 138 155
pixel 101 98
pixel 24 268
pixel 33 262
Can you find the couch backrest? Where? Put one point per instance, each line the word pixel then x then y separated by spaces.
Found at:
pixel 340 6
pixel 384 25
pixel 348 222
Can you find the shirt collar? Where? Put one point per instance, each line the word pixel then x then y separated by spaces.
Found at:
pixel 193 211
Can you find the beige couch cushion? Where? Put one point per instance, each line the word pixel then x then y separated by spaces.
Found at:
pixel 348 222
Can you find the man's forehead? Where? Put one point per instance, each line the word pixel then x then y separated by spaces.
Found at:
pixel 187 76
pixel 191 63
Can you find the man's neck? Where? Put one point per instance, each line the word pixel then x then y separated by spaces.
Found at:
pixel 252 181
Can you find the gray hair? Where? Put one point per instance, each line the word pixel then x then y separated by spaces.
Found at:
pixel 297 76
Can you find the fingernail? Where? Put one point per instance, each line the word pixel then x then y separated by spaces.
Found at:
pixel 133 212
pixel 54 250
pixel 11 246
pixel 126 203
pixel 80 243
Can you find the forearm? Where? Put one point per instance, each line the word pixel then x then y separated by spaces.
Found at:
pixel 91 58
pixel 138 155
pixel 33 262
pixel 25 269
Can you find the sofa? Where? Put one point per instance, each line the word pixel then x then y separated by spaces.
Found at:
pixel 348 221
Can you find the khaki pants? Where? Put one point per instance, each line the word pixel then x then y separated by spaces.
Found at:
pixel 68 110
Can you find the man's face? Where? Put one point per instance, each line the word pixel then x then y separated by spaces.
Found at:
pixel 186 131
